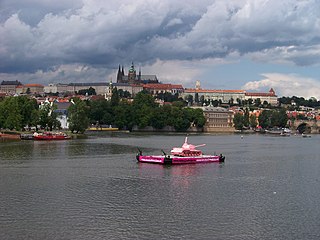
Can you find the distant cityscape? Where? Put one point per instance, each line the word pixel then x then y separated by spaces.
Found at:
pixel 219 105
pixel 133 83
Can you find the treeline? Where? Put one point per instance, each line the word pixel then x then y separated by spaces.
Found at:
pixel 22 112
pixel 143 111
pixel 267 119
pixel 299 101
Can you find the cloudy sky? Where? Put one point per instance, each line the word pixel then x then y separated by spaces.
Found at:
pixel 226 44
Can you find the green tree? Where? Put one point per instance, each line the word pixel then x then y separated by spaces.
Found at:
pixel 115 99
pixel 124 94
pixel 253 121
pixel 189 99
pixel 47 117
pixel 202 100
pixel 78 116
pixel 196 97
pixel 238 121
pixel 257 102
pixel 90 91
pixel 143 98
pixel 123 116
pixel 279 118
pixel 101 112
pixel 246 121
pixel 158 118
pixel 265 119
pixel 29 111
pixel 10 113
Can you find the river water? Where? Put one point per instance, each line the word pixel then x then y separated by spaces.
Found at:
pixel 268 188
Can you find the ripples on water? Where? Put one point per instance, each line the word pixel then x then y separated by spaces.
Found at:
pixel 268 188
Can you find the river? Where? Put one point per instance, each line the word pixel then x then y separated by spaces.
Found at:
pixel 93 188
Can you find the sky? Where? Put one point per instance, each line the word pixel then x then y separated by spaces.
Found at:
pixel 236 44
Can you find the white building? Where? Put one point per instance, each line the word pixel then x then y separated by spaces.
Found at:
pixel 269 97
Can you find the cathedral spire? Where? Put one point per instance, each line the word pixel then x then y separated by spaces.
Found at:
pixel 119 75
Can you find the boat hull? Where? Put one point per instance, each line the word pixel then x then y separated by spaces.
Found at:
pixel 170 159
pixel 51 137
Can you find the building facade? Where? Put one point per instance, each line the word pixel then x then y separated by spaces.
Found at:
pixel 269 97
pixel 32 88
pixel 218 119
pixel 228 96
pixel 224 95
pixel 157 88
pixel 101 88
pixel 9 87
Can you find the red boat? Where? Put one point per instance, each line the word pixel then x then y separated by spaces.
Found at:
pixel 51 136
pixel 185 154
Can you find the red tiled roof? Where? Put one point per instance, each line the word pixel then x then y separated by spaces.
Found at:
pixel 192 90
pixel 33 85
pixel 162 86
pixel 269 94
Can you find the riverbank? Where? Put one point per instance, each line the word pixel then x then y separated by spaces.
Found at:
pixel 16 135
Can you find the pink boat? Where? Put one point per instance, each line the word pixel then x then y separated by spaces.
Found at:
pixel 186 154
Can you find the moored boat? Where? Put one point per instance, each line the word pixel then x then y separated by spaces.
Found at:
pixel 51 136
pixel 26 136
pixel 183 155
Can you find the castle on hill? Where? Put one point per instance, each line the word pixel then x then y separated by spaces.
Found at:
pixel 134 78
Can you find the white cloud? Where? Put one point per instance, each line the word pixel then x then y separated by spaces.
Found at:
pixel 62 74
pixel 101 34
pixel 286 85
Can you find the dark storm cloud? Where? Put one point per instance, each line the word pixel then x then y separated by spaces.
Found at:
pixel 38 34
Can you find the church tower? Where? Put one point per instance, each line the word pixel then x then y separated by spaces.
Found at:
pixel 132 74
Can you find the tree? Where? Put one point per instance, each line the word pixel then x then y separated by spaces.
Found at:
pixel 189 99
pixel 143 98
pixel 239 101
pixel 123 116
pixel 158 118
pixel 28 110
pixel 78 116
pixel 265 119
pixel 47 117
pixel 10 113
pixel 246 121
pixel 101 112
pixel 196 97
pixel 194 116
pixel 202 100
pixel 90 91
pixel 124 94
pixel 115 99
pixel 253 121
pixel 279 118
pixel 238 121
pixel 257 102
